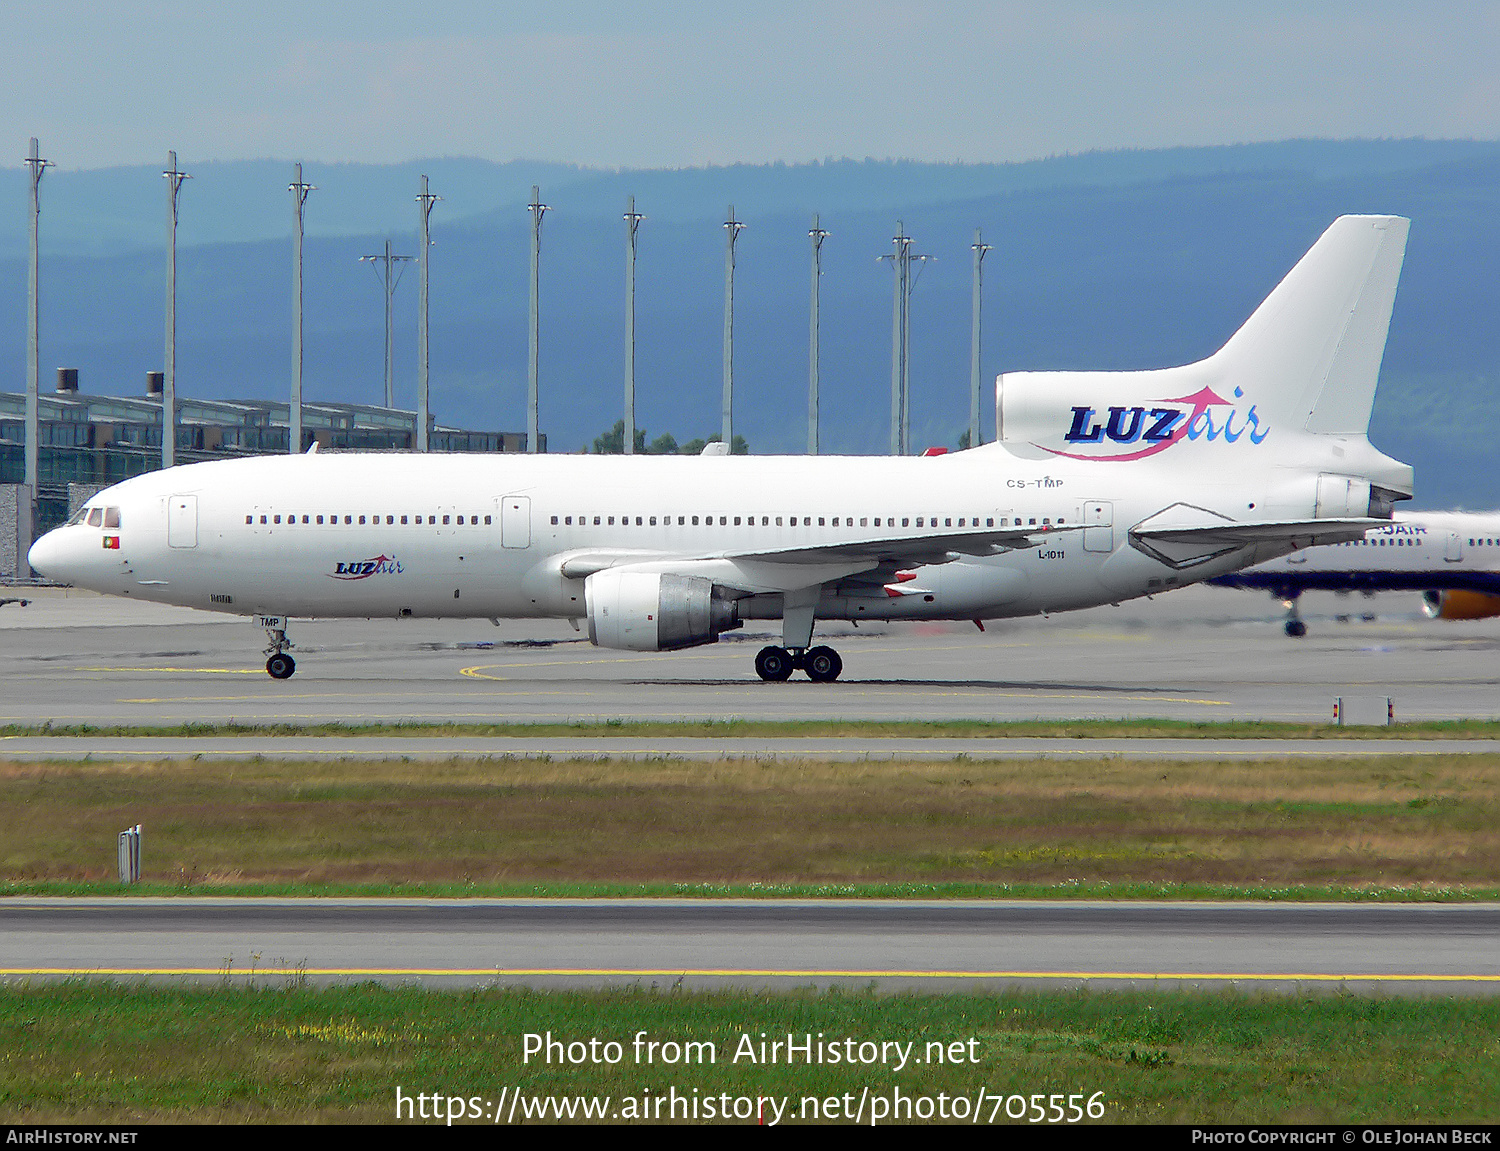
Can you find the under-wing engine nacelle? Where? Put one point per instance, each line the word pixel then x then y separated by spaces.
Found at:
pixel 1459 604
pixel 656 611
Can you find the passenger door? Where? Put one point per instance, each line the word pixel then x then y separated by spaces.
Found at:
pixel 515 521
pixel 182 521
pixel 1098 526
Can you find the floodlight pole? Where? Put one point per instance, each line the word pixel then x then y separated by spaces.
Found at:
pixel 299 191
pixel 632 222
pixel 390 290
pixel 900 259
pixel 732 229
pixel 980 248
pixel 426 200
pixel 533 330
pixel 818 236
pixel 38 166
pixel 174 180
pixel 906 347
pixel 910 282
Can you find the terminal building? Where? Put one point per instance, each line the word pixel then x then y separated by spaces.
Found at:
pixel 88 442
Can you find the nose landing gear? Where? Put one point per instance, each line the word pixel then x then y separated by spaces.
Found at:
pixel 280 665
pixel 1294 627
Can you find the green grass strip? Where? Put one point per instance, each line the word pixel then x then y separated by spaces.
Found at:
pixel 87 1052
pixel 1071 890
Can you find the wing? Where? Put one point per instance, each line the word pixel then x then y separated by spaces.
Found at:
pixel 789 568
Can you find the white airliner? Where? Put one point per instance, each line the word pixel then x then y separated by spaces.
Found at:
pixel 1452 558
pixel 1103 486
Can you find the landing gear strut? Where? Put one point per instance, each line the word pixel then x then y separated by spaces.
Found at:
pixel 280 665
pixel 1294 627
pixel 775 664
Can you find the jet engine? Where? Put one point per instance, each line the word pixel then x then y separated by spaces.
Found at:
pixel 656 611
pixel 1457 604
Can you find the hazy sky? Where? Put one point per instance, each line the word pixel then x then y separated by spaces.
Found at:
pixel 676 83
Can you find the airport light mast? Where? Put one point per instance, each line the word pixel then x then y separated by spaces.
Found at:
pixel 533 329
pixel 426 200
pixel 980 248
pixel 38 166
pixel 901 259
pixel 732 229
pixel 390 290
pixel 818 235
pixel 300 191
pixel 632 222
pixel 174 180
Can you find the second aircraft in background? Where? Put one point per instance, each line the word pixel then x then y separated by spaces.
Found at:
pixel 1452 558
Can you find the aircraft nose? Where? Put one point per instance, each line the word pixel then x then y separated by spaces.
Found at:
pixel 45 555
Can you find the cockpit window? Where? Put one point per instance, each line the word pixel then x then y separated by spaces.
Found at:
pixel 96 517
pixel 111 517
pixel 79 516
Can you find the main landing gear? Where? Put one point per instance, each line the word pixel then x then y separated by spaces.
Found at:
pixel 280 665
pixel 775 664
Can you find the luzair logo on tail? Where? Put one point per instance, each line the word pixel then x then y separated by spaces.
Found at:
pixel 1161 427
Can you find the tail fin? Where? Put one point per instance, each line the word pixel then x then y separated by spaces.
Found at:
pixel 1313 348
pixel 1305 362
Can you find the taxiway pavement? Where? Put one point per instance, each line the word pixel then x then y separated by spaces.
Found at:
pixel 1384 948
pixel 1197 654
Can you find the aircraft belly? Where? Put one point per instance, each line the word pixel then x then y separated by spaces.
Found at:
pixel 948 591
pixel 969 589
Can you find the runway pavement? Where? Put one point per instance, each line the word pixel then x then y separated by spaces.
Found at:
pixel 1198 654
pixel 1387 949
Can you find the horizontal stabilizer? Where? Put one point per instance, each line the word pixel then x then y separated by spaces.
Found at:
pixel 1183 536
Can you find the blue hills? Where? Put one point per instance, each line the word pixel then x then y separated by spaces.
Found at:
pixel 1105 260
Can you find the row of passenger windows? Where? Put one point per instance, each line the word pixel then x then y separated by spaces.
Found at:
pixel 1487 543
pixel 794 521
pixel 272 519
pixel 1395 541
